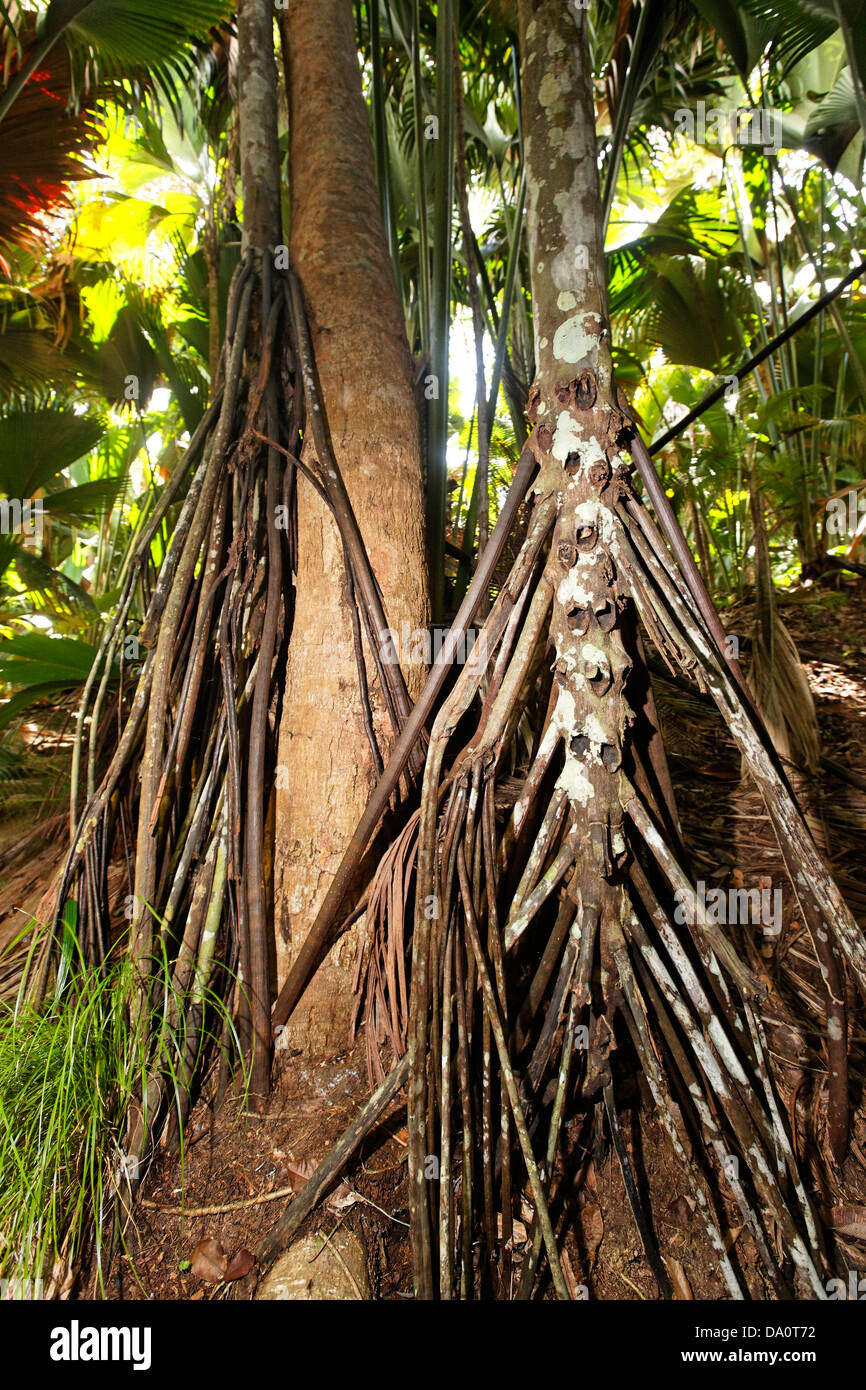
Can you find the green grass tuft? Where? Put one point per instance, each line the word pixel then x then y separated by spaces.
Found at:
pixel 69 1073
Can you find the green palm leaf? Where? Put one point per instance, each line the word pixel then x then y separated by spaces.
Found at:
pixel 745 30
pixel 693 318
pixel 36 445
pixel 30 358
pixel 51 592
pixel 20 702
pixel 118 40
pixel 130 36
pixel 85 503
pixel 801 25
pixel 32 658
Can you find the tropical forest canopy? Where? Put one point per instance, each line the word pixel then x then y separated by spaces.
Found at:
pixel 119 231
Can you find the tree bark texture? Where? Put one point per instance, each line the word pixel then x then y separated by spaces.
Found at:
pixel 339 251
pixel 573 404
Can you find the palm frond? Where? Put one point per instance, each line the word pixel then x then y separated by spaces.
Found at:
pixel 799 26
pixel 85 503
pixel 37 445
pixel 50 592
pixel 44 147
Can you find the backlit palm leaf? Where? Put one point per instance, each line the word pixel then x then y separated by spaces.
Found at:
pixel 51 592
pixel 78 51
pixel 43 147
pixel 36 445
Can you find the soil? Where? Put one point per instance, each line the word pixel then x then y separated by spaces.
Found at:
pixel 233 1158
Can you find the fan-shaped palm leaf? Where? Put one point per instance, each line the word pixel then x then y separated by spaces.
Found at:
pixel 691 315
pixel 129 47
pixel 30 357
pixel 43 147
pixel 36 445
pixel 84 503
pixel 51 592
pixel 141 41
pixel 800 25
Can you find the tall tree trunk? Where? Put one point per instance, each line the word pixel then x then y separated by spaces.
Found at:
pixel 257 110
pixel 573 403
pixel 487 938
pixel 339 251
pixel 260 182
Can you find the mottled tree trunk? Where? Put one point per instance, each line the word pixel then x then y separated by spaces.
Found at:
pixel 573 403
pixel 339 251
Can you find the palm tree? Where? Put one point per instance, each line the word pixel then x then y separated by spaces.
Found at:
pixel 331 749
pixel 539 944
pixel 544 913
pixel 221 614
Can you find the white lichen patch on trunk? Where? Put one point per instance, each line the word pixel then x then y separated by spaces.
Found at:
pixel 575 340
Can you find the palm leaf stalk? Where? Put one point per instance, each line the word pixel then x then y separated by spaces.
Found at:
pixel 511 269
pixel 421 208
pixel 380 135
pixel 832 306
pixel 643 48
pixel 737 193
pixel 788 359
pixel 548 860
pixel 500 322
pixel 481 493
pixel 769 348
pixel 498 326
pixel 440 304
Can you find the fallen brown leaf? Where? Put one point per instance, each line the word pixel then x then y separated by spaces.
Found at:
pixel 239 1265
pixel 303 1170
pixel 592 1226
pixel 209 1261
pixel 299 1172
pixel 681 1285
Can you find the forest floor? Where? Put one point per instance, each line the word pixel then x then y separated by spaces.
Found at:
pixel 234 1165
